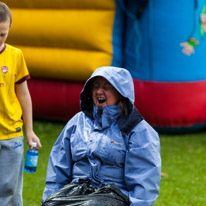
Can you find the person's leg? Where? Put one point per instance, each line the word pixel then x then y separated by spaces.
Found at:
pixel 11 171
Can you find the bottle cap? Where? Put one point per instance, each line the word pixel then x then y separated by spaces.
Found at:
pixel 34 144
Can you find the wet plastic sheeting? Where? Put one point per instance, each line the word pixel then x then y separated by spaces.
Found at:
pixel 86 195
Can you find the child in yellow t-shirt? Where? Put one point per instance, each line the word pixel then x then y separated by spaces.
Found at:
pixel 15 102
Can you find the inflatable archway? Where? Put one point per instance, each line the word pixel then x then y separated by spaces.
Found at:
pixel 63 43
pixel 160 42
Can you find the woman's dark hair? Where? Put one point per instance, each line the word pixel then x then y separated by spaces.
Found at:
pixel 5 13
pixel 124 106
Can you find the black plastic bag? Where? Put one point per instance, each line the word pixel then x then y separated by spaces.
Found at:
pixel 85 195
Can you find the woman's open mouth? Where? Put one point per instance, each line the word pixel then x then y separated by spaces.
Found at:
pixel 101 100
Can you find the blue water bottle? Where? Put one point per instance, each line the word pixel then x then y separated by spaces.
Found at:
pixel 31 159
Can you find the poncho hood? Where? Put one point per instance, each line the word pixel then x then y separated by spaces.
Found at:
pixel 122 81
pixel 119 78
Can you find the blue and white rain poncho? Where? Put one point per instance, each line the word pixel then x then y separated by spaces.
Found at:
pixel 105 147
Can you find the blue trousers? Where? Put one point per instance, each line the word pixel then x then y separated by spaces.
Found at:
pixel 11 171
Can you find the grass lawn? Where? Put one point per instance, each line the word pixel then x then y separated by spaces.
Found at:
pixel 183 160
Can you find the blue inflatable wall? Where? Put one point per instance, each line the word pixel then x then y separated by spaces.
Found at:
pixel 164 48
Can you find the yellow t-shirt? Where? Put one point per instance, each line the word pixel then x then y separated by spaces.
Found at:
pixel 13 70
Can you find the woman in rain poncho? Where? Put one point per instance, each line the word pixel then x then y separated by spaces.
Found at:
pixel 108 142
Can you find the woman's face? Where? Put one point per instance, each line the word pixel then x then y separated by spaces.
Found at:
pixel 103 93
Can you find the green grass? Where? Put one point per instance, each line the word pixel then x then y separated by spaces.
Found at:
pixel 183 160
pixel 34 183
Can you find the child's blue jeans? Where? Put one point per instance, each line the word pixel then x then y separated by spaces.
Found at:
pixel 11 171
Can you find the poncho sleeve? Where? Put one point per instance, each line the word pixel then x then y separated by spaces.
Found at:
pixel 143 165
pixel 59 170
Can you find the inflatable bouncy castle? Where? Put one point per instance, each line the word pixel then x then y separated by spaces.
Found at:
pixel 160 42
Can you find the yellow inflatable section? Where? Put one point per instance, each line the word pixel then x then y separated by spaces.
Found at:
pixel 64 39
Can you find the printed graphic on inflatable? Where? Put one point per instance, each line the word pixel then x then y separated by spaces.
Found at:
pixel 198 31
